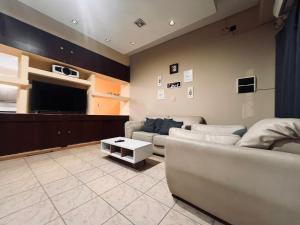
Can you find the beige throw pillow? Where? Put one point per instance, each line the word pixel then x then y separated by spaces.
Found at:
pixel 266 132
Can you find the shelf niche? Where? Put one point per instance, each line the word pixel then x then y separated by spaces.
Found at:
pixel 110 97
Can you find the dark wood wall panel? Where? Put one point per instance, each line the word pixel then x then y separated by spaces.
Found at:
pixel 28 132
pixel 23 36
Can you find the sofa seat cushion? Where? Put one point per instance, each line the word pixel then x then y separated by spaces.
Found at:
pixel 143 136
pixel 225 139
pixel 159 140
pixel 265 133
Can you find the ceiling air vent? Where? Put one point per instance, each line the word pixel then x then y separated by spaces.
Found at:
pixel 140 23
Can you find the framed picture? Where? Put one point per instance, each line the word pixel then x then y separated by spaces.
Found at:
pixel 174 68
pixel 159 81
pixel 161 94
pixel 190 92
pixel 174 85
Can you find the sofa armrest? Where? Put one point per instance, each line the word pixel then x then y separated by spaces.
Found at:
pixel 131 126
pixel 221 178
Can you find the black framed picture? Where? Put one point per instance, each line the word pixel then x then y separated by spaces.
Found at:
pixel 174 68
pixel 174 85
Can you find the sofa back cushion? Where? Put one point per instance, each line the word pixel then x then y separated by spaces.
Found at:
pixel 187 120
pixel 220 129
pixel 267 132
pixel 167 124
pixel 225 139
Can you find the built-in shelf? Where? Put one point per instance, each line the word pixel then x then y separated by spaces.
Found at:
pixel 56 76
pixel 13 81
pixel 110 96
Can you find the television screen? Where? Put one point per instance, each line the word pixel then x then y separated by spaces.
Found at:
pixel 47 97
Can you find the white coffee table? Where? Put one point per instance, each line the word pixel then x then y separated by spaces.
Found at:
pixel 132 151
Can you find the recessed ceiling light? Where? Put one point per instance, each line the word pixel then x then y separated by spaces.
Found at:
pixel 172 23
pixel 132 43
pixel 107 40
pixel 74 21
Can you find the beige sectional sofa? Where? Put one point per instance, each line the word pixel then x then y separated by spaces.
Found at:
pixel 134 130
pixel 239 182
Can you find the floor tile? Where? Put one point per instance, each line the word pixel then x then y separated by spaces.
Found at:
pixel 142 182
pixel 193 213
pixel 45 163
pixel 161 193
pixel 68 200
pixel 62 185
pixel 37 158
pixel 156 172
pixel 157 158
pixel 175 218
pixel 19 186
pixel 12 163
pixel 164 180
pixel 103 184
pixel 58 154
pixel 57 221
pixel 47 168
pixel 7 179
pixel 94 212
pixel 69 160
pixel 145 211
pixel 99 162
pixel 38 214
pixel 14 170
pixel 90 175
pixel 121 196
pixel 125 174
pixel 56 174
pixel 118 219
pixel 86 156
pixel 80 167
pixel 110 168
pixel 21 200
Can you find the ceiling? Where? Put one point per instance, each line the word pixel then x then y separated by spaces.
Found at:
pixel 111 22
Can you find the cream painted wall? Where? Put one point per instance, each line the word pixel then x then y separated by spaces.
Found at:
pixel 26 14
pixel 217 60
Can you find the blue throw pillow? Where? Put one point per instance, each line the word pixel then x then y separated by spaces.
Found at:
pixel 167 124
pixel 149 125
pixel 158 123
pixel 240 132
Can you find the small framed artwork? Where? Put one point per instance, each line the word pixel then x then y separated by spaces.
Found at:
pixel 190 92
pixel 174 85
pixel 174 68
pixel 159 81
pixel 161 94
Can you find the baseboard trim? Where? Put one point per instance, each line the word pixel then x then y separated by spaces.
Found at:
pixel 201 210
pixel 43 151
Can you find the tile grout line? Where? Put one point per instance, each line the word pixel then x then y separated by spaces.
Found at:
pixel 143 193
pixel 122 182
pixel 48 198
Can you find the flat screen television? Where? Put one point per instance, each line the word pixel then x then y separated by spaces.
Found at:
pixel 52 98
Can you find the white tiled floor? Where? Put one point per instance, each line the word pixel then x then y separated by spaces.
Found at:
pixel 81 186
